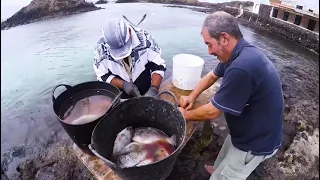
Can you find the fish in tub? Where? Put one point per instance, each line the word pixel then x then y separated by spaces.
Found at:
pixel 142 146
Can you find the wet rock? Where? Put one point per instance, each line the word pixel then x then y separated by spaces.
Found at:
pixel 298 137
pixel 191 167
pixel 287 108
pixel 286 96
pixel 27 169
pixel 283 85
pixel 304 136
pixel 18 152
pixel 297 79
pixel 302 126
pixel 302 154
pixel 4 177
pixel 289 159
pixel 59 162
pixel 101 2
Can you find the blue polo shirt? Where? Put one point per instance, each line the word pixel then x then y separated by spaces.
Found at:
pixel 251 98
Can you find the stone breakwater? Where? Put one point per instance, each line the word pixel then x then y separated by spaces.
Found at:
pixel 263 21
pixel 293 32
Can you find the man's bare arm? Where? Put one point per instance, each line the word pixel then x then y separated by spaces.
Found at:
pixel 117 82
pixel 203 113
pixel 156 80
pixel 204 84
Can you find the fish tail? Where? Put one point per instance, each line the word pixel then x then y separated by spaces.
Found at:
pixel 172 140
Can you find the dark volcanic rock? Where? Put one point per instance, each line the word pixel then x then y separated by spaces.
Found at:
pixel 101 2
pixel 182 2
pixel 43 9
pixel 126 1
pixel 59 162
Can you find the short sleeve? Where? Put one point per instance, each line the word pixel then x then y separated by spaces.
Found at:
pixel 234 93
pixel 219 70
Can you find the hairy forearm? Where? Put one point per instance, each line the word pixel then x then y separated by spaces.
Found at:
pixel 203 113
pixel 117 82
pixel 156 80
pixel 204 84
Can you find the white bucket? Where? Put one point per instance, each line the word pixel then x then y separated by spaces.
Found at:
pixel 186 71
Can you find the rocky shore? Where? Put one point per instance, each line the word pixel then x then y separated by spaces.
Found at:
pixel 39 10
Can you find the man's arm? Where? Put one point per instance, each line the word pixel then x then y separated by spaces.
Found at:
pixel 156 80
pixel 203 113
pixel 103 74
pixel 204 84
pixel 102 71
pixel 117 82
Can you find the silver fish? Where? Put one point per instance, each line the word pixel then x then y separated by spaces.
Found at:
pixel 145 162
pixel 131 159
pixel 149 135
pixel 134 146
pixel 139 154
pixel 87 110
pixel 123 139
pixel 85 119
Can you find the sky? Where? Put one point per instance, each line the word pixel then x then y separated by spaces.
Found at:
pixel 9 7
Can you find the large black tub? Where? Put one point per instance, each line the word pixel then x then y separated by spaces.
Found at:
pixel 81 133
pixel 140 112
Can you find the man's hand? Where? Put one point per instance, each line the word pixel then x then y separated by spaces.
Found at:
pixel 151 92
pixel 186 102
pixel 182 111
pixel 131 89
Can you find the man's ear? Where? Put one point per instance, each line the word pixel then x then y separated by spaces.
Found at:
pixel 225 38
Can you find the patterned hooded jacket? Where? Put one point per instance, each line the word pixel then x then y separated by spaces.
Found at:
pixel 146 60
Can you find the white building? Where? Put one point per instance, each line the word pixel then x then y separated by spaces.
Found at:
pixel 304 5
pixel 256 5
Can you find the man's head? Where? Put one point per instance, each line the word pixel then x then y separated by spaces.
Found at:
pixel 117 35
pixel 220 31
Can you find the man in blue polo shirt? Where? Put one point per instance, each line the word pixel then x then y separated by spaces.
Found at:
pixel 250 96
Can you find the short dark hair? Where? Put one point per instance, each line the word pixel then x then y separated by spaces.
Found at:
pixel 219 22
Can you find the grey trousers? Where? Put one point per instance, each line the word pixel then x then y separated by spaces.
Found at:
pixel 235 164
